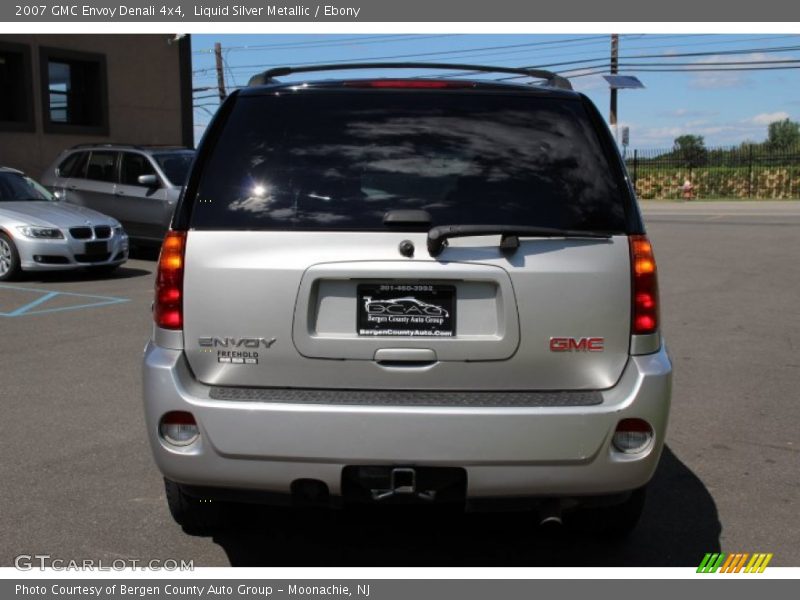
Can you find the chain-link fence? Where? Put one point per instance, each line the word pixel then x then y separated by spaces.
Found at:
pixel 747 171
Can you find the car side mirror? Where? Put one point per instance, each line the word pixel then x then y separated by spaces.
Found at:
pixel 147 180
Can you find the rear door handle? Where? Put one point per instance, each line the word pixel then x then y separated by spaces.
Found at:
pixel 405 355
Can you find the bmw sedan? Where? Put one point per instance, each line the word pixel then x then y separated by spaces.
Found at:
pixel 38 233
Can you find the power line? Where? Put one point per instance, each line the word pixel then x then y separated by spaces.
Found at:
pixel 689 70
pixel 585 66
pixel 747 40
pixel 371 39
pixel 466 51
pixel 768 50
pixel 710 64
pixel 574 41
pixel 437 53
pixel 577 41
pixel 227 67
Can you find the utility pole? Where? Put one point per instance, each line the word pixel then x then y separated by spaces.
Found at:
pixel 614 71
pixel 220 72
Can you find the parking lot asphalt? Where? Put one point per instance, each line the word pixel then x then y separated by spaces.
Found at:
pixel 78 480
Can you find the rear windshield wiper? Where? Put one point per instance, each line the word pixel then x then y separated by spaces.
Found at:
pixel 438 236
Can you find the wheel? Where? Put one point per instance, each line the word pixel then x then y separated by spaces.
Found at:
pixel 616 521
pixel 9 259
pixel 195 515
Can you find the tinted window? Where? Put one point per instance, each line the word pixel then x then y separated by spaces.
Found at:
pixel 75 91
pixel 175 165
pixel 101 166
pixel 340 161
pixel 15 101
pixel 15 187
pixel 69 166
pixel 134 165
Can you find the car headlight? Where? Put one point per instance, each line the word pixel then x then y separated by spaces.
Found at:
pixel 42 233
pixel 119 231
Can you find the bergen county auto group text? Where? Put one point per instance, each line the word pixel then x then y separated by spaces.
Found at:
pixel 58 589
pixel 139 590
pixel 184 590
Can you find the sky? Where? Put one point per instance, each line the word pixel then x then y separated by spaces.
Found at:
pixel 725 107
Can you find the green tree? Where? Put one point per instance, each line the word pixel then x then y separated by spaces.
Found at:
pixel 782 135
pixel 691 150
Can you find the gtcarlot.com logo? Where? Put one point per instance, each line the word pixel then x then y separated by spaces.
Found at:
pixel 737 562
pixel 28 562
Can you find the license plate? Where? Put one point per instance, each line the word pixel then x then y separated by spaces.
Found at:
pixel 96 248
pixel 406 310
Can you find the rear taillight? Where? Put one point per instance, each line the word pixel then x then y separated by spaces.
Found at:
pixel 644 285
pixel 168 309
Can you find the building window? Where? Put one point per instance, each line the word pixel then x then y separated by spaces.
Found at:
pixel 16 104
pixel 74 92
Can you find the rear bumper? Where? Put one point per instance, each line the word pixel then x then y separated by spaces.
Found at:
pixel 506 451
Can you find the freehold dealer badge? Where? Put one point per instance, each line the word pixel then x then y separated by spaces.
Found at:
pixel 237 351
pixel 406 310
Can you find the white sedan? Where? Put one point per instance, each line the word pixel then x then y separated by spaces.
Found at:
pixel 39 233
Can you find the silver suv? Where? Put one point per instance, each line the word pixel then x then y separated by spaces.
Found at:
pixel 137 185
pixel 407 291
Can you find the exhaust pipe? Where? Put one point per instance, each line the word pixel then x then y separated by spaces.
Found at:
pixel 550 514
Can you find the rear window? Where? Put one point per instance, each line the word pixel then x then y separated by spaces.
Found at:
pixel 340 161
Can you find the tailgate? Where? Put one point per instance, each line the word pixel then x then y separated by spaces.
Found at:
pixel 270 309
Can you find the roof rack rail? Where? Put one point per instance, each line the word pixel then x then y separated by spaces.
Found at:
pixel 102 145
pixel 122 145
pixel 552 79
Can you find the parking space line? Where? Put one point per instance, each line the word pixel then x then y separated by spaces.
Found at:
pixel 29 305
pixel 48 295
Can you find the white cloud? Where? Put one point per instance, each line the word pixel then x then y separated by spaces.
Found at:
pixel 680 113
pixel 715 134
pixel 726 77
pixel 716 80
pixel 767 118
pixel 733 58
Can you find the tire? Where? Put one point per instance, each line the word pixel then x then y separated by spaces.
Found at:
pixel 617 521
pixel 9 259
pixel 196 516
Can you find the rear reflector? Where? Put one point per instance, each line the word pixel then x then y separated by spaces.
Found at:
pixel 632 436
pixel 168 308
pixel 178 428
pixel 644 286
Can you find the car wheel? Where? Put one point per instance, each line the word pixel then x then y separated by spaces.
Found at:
pixel 617 521
pixel 195 515
pixel 9 259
